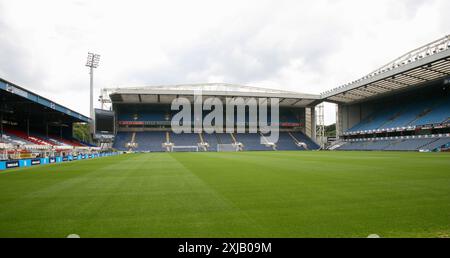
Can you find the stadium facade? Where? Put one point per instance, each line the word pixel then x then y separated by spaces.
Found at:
pixel 143 119
pixel 403 106
pixel 35 130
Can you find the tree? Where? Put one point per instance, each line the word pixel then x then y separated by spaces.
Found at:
pixel 330 130
pixel 81 132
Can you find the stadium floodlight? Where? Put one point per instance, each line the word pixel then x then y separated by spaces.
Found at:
pixel 92 62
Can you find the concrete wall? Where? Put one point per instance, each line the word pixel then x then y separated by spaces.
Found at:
pixel 310 123
pixel 350 115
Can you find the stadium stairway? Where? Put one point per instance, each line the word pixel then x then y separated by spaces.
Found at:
pixel 286 142
pixel 301 137
pixel 252 142
pixel 120 141
pixel 224 138
pixel 438 143
pixel 202 142
pixel 212 141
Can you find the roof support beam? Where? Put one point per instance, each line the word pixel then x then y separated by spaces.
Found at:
pixel 380 86
pixel 436 71
pixel 396 82
pixel 295 103
pixel 357 96
pixel 366 89
pixel 343 96
pixel 414 77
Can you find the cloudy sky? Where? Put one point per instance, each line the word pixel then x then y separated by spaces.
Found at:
pixel 305 46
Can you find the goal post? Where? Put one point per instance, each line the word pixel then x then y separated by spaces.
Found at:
pixel 184 148
pixel 227 147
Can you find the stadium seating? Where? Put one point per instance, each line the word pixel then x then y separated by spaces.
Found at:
pixel 86 144
pixel 286 142
pixel 29 138
pixel 437 143
pixel 17 137
pixel 191 139
pixel 71 142
pixel 430 143
pixel 145 141
pixel 301 137
pixel 409 144
pixel 212 140
pixel 121 139
pixel 406 114
pixel 224 138
pixel 150 141
pixel 437 114
pixel 252 142
pixel 10 138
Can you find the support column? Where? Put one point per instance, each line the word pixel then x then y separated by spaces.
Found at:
pixel 310 122
pixel 1 123
pixel 338 122
pixel 313 124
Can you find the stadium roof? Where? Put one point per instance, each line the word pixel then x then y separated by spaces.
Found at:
pixel 18 94
pixel 165 94
pixel 418 67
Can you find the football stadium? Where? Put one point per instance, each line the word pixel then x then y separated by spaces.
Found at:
pixel 387 171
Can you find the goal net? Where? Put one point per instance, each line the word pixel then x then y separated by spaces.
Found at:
pixel 227 147
pixel 185 149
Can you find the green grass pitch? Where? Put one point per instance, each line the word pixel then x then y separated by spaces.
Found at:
pixel 249 194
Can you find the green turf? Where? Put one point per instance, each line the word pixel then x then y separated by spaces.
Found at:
pixel 253 194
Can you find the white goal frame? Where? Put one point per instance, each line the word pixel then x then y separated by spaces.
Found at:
pixel 227 148
pixel 185 148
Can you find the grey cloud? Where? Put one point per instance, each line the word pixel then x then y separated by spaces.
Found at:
pixel 15 61
pixel 239 58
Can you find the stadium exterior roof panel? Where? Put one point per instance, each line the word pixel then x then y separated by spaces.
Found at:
pixel 165 94
pixel 30 96
pixel 425 64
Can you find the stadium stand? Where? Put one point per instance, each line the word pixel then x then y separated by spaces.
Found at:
pixel 224 138
pixel 10 138
pixel 29 137
pixel 426 144
pixel 252 142
pixel 212 140
pixel 146 111
pixel 35 130
pixel 302 138
pixel 121 140
pixel 404 105
pixel 286 142
pixel 191 139
pixel 408 113
pixel 150 141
